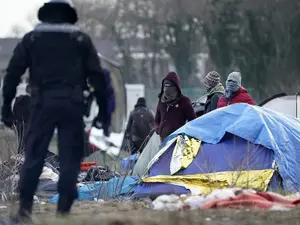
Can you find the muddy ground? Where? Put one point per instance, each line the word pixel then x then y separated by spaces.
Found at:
pixel 128 213
pixel 136 214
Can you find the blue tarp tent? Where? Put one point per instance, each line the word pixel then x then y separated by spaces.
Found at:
pixel 230 137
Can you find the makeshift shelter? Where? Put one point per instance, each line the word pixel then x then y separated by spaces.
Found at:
pixel 150 150
pixel 283 103
pixel 235 146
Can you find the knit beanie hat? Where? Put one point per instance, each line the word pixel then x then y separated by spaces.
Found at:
pixel 212 79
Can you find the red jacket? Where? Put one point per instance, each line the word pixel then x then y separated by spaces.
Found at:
pixel 241 96
pixel 169 119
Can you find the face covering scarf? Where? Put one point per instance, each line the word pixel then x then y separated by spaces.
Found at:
pixel 231 88
pixel 170 93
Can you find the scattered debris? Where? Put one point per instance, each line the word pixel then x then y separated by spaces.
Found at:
pixel 279 208
pixel 226 198
pixel 167 203
pixel 36 199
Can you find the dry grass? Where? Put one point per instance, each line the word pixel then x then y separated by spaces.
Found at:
pixel 118 213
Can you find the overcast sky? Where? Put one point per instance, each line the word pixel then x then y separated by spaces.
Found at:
pixel 16 12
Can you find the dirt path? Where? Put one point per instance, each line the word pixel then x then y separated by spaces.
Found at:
pixel 131 214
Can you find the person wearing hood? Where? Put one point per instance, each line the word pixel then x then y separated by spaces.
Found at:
pixel 61 60
pixel 139 126
pixel 173 109
pixel 215 90
pixel 235 92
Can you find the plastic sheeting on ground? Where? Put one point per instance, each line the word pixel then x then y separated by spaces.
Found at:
pixel 151 149
pixel 116 187
pixel 268 128
pixel 127 164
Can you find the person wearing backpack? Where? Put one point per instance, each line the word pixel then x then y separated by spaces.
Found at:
pixel 139 126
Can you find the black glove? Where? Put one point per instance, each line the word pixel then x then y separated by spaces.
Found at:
pixel 7 115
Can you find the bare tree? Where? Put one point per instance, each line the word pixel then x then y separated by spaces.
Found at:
pixel 159 31
pixel 96 17
pixel 257 37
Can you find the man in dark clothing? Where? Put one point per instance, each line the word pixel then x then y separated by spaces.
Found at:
pixel 173 109
pixel 215 90
pixel 21 110
pixel 140 124
pixel 60 59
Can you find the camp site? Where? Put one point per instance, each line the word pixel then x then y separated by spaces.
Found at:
pixel 149 112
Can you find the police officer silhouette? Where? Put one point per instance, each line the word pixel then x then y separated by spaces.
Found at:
pixel 61 60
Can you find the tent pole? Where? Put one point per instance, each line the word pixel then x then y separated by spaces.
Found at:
pixel 297 94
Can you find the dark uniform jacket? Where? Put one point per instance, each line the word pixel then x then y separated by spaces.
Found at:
pixel 60 59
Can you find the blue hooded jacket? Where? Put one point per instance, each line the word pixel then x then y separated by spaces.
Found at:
pixel 111 103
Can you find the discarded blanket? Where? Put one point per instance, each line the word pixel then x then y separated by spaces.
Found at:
pixel 116 187
pixel 262 200
pixel 48 179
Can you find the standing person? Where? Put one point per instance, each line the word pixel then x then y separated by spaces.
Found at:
pixel 173 109
pixel 111 102
pixel 21 116
pixel 60 59
pixel 215 90
pixel 139 126
pixel 235 92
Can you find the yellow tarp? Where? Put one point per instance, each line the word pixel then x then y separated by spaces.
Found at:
pixel 184 153
pixel 206 183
